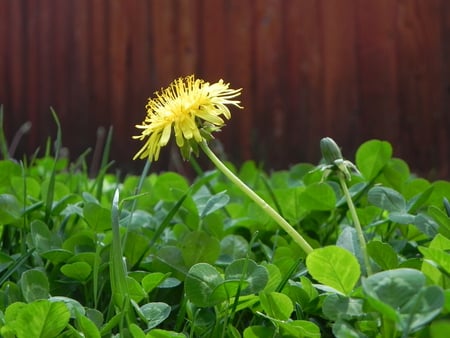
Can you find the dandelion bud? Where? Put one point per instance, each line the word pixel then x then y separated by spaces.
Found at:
pixel 330 150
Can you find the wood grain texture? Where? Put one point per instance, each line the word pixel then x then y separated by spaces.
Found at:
pixel 420 66
pixel 377 78
pixel 349 69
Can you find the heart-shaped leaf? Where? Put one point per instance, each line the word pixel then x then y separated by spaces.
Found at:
pixel 337 306
pixel 300 328
pixel 318 196
pixel 42 319
pixel 372 156
pixel 79 271
pixel 155 313
pixel 387 199
pixel 335 267
pixel 208 204
pixel 383 254
pixel 201 281
pixel 198 246
pixel 422 308
pixel 34 284
pixel 152 280
pixel 10 210
pixel 276 305
pixel 402 296
pixel 248 271
pixel 98 218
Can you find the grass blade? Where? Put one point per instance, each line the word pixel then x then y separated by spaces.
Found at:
pixel 14 267
pixel 51 184
pixel 3 145
pixel 104 165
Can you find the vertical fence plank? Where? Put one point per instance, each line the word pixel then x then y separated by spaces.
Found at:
pixel 45 80
pixel 187 37
pixel 377 63
pixel 118 47
pixel 214 53
pixel 15 106
pixel 302 41
pixel 445 126
pixel 5 71
pixel 212 42
pixel 239 68
pixel 139 75
pixel 99 64
pixel 80 38
pixel 340 71
pixel 163 29
pixel 270 60
pixel 420 83
pixel 138 82
pixel 60 49
pixel 31 51
pixel 4 55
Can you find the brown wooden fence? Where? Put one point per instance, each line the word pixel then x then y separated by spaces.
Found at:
pixel 349 69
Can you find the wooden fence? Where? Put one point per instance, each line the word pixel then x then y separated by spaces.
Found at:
pixel 349 69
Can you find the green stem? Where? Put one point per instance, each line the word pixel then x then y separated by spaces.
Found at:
pixel 359 231
pixel 258 200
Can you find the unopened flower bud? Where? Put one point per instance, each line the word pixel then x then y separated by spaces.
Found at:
pixel 330 150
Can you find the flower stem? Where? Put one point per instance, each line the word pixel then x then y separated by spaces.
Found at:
pixel 258 200
pixel 359 231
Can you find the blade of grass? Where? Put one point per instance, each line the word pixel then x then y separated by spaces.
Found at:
pixel 164 224
pixel 3 144
pixel 25 218
pixel 204 180
pixel 99 143
pixel 98 184
pixel 144 175
pixel 80 163
pixel 14 267
pixel 95 271
pixel 48 147
pixel 104 164
pixel 229 317
pixel 137 194
pixel 289 274
pixel 51 184
pixel 181 316
pixel 24 128
pixel 271 194
pixel 107 148
pixel 167 219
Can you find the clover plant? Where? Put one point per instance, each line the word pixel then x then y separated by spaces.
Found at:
pixel 162 255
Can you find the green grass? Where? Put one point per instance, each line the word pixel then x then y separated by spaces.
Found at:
pixel 157 255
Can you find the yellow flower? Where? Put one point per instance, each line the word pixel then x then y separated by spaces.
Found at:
pixel 192 107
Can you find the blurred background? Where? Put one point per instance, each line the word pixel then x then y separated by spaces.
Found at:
pixel 349 69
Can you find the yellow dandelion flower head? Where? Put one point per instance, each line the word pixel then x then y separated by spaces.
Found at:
pixel 191 107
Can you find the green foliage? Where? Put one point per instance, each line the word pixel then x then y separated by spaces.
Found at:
pixel 372 157
pixel 10 210
pixel 402 298
pixel 334 267
pixel 41 318
pixel 161 256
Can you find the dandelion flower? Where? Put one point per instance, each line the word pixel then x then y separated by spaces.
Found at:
pixel 192 108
